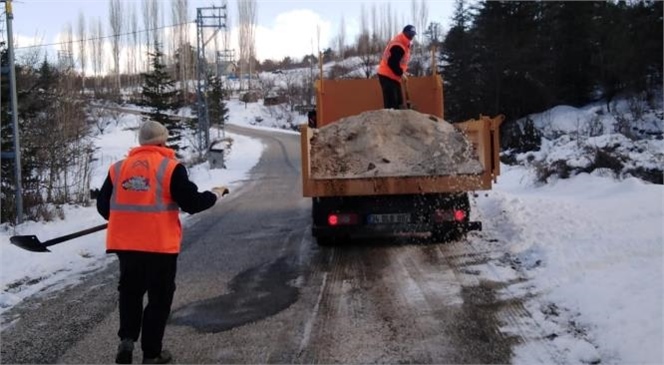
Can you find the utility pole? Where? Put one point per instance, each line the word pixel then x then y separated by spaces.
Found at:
pixel 209 17
pixel 14 112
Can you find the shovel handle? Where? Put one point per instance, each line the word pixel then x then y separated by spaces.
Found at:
pixel 57 240
pixel 405 94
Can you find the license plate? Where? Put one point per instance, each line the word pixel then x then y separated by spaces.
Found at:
pixel 389 218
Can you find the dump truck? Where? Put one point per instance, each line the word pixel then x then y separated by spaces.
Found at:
pixel 437 206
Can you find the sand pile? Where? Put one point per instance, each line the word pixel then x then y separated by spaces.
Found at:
pixel 391 143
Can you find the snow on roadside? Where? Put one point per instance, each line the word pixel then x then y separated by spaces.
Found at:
pixel 624 141
pixel 592 249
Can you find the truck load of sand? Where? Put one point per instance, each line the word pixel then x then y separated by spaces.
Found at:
pixel 390 142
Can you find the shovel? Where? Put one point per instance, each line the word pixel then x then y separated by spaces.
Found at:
pixel 32 243
pixel 406 95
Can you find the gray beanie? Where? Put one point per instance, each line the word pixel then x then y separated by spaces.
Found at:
pixel 152 133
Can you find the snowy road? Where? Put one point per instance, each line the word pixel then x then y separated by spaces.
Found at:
pixel 254 288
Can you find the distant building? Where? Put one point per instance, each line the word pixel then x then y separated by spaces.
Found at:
pixel 227 68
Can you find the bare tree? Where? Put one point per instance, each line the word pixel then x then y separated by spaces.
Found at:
pixel 364 27
pixel 342 38
pixel 376 41
pixel 66 53
pixel 155 20
pixel 387 22
pixel 434 34
pixel 179 13
pixel 82 47
pixel 116 22
pixel 146 11
pixel 368 54
pixel 423 18
pixel 96 42
pixel 133 25
pixel 414 11
pixel 419 14
pixel 390 20
pixel 247 23
pixel 252 38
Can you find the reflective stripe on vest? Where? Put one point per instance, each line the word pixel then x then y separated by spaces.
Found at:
pixel 159 206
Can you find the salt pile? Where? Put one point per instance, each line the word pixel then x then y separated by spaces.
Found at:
pixel 390 142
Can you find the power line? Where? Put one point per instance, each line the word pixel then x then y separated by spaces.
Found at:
pixel 104 37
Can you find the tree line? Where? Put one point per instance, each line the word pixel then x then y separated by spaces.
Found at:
pixel 518 58
pixel 56 125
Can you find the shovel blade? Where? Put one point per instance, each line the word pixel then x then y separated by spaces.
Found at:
pixel 30 243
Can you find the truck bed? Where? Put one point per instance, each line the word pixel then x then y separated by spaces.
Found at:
pixel 483 133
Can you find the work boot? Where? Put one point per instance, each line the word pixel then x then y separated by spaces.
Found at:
pixel 164 358
pixel 125 350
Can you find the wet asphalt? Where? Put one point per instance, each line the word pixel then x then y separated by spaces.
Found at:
pixel 253 287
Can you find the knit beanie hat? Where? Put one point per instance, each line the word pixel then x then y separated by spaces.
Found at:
pixel 152 133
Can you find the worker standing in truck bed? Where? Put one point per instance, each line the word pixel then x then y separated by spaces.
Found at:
pixel 393 66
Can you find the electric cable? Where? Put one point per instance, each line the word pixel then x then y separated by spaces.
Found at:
pixel 104 37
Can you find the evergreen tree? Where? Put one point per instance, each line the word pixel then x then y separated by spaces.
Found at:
pixel 566 45
pixel 218 111
pixel 459 68
pixel 160 94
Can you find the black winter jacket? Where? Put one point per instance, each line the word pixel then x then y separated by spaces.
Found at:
pixel 394 62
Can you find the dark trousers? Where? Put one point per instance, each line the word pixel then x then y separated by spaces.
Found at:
pixel 392 97
pixel 142 272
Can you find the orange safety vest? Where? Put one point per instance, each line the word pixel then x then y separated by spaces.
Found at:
pixel 383 68
pixel 143 215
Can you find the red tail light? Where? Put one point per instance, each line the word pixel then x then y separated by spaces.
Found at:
pixel 340 219
pixel 333 219
pixel 459 215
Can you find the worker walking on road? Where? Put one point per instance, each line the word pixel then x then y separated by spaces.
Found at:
pixel 141 199
pixel 393 66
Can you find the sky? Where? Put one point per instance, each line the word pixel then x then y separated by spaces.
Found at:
pixel 584 254
pixel 284 28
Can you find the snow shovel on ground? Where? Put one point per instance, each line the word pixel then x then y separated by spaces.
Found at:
pixel 32 243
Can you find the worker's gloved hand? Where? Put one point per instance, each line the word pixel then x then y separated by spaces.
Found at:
pixel 404 77
pixel 220 191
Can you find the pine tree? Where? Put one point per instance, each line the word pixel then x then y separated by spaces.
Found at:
pixel 160 94
pixel 218 111
pixel 457 56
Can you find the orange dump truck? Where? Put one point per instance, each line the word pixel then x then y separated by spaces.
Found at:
pixel 347 208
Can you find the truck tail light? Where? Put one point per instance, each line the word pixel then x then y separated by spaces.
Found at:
pixel 340 219
pixel 333 219
pixel 459 215
pixel 442 216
